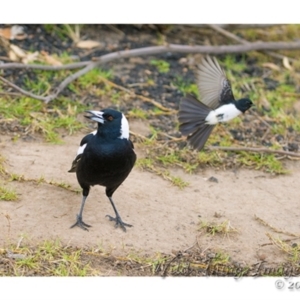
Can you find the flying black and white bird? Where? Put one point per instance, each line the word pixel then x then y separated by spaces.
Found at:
pixel 198 118
pixel 105 157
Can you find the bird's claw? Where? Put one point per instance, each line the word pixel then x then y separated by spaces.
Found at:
pixel 119 221
pixel 81 224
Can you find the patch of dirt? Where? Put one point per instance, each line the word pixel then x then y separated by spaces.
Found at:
pixel 164 218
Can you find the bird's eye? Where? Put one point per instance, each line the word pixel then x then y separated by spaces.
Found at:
pixel 110 118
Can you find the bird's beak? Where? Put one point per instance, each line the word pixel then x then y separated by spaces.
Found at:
pixel 95 116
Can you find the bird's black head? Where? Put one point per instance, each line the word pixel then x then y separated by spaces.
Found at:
pixel 111 123
pixel 243 104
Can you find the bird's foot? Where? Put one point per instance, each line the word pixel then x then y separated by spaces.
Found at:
pixel 81 224
pixel 119 222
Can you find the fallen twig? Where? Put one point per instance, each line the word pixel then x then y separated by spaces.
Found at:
pixel 29 94
pixel 285 241
pixel 138 135
pixel 11 94
pixel 280 244
pixel 235 149
pixel 234 37
pixel 72 66
pixel 250 149
pixel 227 33
pixel 274 228
pixel 70 79
pixel 234 25
pixel 145 99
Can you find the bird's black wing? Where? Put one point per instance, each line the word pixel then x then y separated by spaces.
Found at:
pixel 214 87
pixel 131 143
pixel 84 141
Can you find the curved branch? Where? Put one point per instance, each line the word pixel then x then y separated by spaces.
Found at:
pixel 70 79
pixel 26 93
pixel 234 37
pixel 44 67
pixel 148 51
pixel 163 49
pixel 199 49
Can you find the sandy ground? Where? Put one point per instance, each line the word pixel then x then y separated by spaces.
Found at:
pixel 164 218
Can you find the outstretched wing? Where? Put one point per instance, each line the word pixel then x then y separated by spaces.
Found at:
pixel 214 87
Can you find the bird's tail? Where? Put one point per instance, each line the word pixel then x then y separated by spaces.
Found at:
pixel 191 116
pixel 73 167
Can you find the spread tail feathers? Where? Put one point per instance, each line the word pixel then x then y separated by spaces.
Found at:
pixel 191 116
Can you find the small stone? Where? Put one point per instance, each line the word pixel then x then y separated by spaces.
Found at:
pixel 213 179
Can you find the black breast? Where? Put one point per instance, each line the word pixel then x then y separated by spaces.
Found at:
pixel 106 164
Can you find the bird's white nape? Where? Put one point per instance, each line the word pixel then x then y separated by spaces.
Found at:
pixel 124 128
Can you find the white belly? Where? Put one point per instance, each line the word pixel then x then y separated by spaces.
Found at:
pixel 222 114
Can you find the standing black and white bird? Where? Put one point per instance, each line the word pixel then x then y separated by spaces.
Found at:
pixel 198 118
pixel 105 157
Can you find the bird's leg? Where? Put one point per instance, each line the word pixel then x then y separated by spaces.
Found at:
pixel 117 219
pixel 79 221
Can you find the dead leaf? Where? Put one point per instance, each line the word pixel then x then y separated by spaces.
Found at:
pixel 12 56
pixel 5 32
pixel 271 66
pixel 89 44
pixel 30 57
pixel 50 59
pixel 14 32
pixel 17 32
pixel 286 63
pixel 16 53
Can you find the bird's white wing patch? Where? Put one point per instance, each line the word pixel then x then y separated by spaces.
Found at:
pixel 81 148
pixel 124 128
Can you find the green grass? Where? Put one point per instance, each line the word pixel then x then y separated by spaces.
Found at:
pixel 138 113
pixel 2 168
pixel 61 114
pixel 285 33
pixel 93 77
pixel 39 118
pixel 64 31
pixel 48 258
pixel 150 164
pixel 213 228
pixel 7 194
pixel 40 180
pixel 220 259
pixel 258 161
pixel 292 250
pixel 186 87
pixel 161 65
